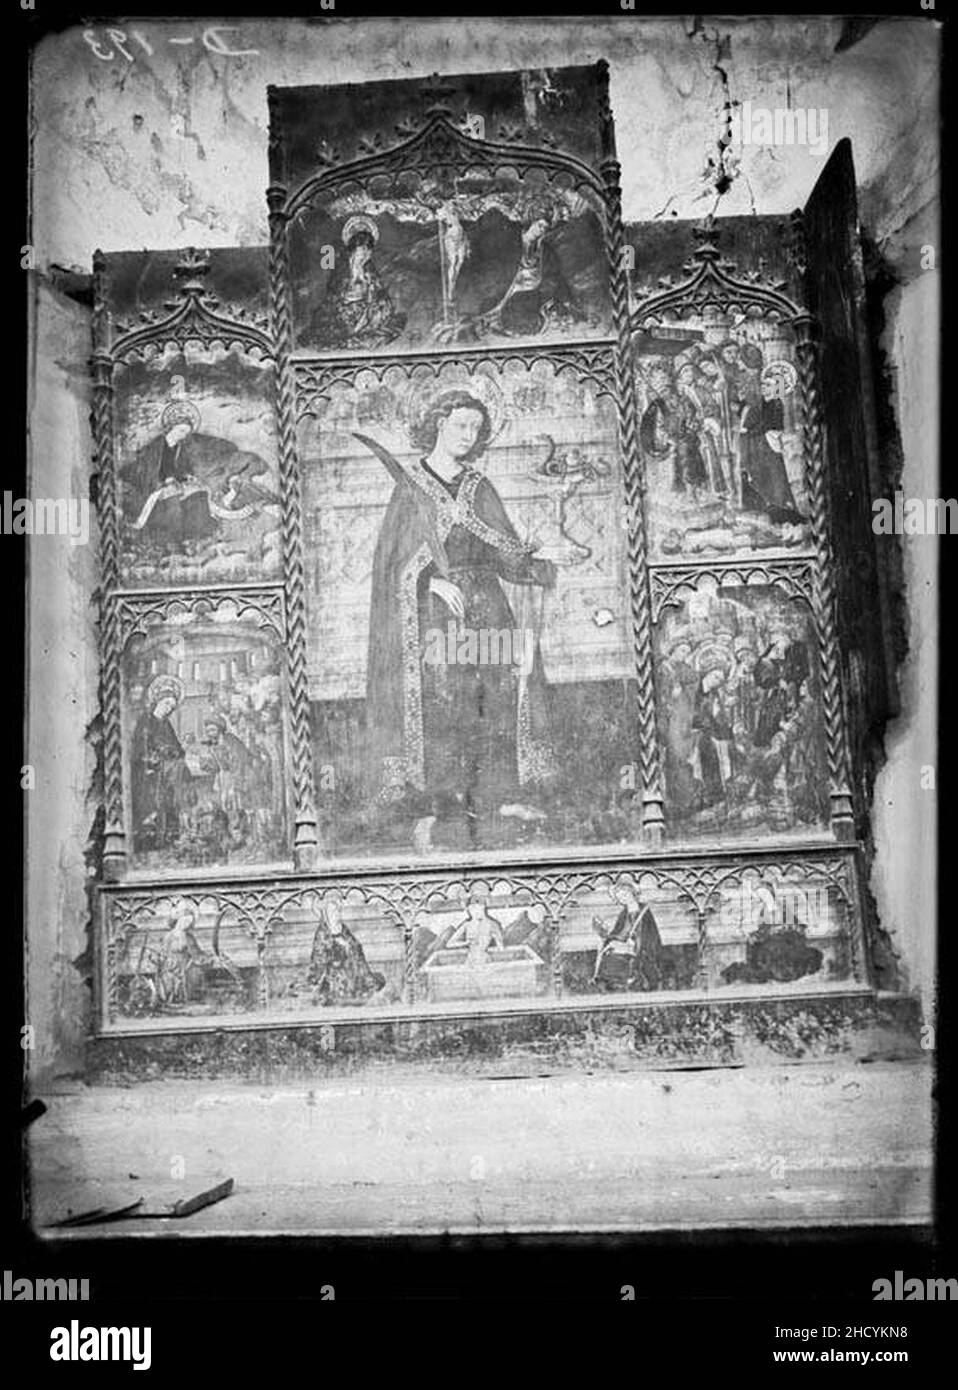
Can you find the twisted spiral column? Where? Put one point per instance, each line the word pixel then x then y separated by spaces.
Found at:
pixel 640 599
pixel 824 593
pixel 305 845
pixel 111 636
pixel 409 972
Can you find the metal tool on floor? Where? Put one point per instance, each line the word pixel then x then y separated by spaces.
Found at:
pixel 134 1210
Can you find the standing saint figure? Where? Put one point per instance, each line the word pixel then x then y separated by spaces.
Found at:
pixel 765 484
pixel 714 755
pixel 695 387
pixel 180 958
pixel 458 731
pixel 223 763
pixel 159 775
pixel 669 429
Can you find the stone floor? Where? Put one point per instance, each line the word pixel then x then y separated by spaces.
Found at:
pixel 794 1145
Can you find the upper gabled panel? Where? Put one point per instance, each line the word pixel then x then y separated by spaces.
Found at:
pixel 428 216
pixel 554 110
pixel 720 399
pixel 193 446
pixel 144 287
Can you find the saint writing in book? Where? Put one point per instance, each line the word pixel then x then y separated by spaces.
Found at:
pixel 184 483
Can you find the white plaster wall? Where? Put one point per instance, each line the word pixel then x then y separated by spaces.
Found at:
pixel 61 634
pixel 170 149
pixel 904 877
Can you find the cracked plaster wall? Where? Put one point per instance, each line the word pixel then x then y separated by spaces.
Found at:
pixel 170 150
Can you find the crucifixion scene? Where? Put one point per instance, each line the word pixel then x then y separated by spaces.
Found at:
pixel 464 259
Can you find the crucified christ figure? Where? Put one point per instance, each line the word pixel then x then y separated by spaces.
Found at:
pixel 537 291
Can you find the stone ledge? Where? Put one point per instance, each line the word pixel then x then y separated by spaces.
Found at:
pixel 858 1025
pixel 827 1144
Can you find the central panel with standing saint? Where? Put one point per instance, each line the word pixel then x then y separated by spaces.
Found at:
pixel 450 274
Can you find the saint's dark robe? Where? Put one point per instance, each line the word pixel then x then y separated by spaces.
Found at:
pixel 170 516
pixel 765 485
pixel 180 962
pixel 631 957
pixel 450 729
pixel 715 749
pixel 775 955
pixel 672 421
pixel 357 311
pixel 539 289
pixel 679 682
pixel 770 678
pixel 338 970
pixel 158 778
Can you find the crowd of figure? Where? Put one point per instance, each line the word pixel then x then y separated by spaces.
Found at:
pixel 204 799
pixel 715 415
pixel 742 741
